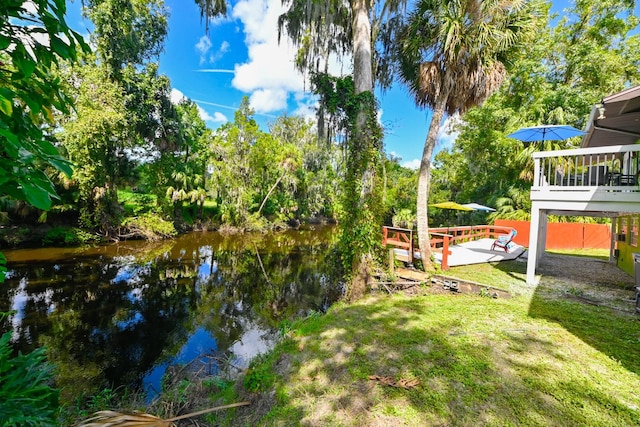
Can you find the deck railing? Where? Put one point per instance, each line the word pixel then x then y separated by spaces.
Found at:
pixel 401 238
pixel 441 238
pixel 613 168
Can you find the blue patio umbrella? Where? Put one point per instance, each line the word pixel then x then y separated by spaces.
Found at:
pixel 546 133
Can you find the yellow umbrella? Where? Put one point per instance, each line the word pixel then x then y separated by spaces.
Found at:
pixel 451 205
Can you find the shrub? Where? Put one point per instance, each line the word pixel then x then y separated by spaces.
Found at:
pixel 149 227
pixel 260 376
pixel 67 236
pixel 26 398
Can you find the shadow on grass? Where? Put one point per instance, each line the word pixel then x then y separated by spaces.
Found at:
pixel 474 359
pixel 614 333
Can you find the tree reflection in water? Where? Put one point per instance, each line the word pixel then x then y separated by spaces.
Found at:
pixel 121 314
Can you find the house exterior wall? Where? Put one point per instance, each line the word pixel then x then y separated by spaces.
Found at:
pixel 627 245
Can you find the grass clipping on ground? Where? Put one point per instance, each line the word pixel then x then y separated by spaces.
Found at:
pixel 536 359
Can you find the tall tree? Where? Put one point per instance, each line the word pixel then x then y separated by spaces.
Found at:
pixel 317 177
pixel 128 32
pixel 452 55
pixel 335 27
pixel 93 142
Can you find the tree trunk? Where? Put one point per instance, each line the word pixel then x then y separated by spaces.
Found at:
pixel 363 82
pixel 273 187
pixel 423 182
pixel 361 27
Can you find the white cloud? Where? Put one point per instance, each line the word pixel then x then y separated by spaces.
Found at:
pixel 203 46
pixel 204 115
pixel 216 118
pixel 265 100
pixel 412 164
pixel 206 55
pixel 447 135
pixel 306 106
pixel 176 96
pixel 269 84
pixel 30 7
pixel 224 47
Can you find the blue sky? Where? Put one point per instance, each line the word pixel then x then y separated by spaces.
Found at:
pixel 240 56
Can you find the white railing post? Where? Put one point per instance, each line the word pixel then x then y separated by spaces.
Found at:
pixel 537 173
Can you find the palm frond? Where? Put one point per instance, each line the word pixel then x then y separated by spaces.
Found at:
pixel 118 419
pixel 140 419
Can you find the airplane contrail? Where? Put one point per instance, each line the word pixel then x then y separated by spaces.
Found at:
pixel 213 104
pixel 215 70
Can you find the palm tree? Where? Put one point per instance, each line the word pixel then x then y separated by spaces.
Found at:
pixel 452 55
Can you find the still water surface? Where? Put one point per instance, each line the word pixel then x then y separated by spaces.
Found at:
pixel 122 314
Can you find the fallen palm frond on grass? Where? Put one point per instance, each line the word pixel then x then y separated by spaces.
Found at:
pixel 117 419
pixel 403 383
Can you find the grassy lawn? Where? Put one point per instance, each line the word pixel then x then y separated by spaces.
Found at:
pixel 537 359
pixel 592 253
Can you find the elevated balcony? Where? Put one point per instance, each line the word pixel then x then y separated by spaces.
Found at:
pixel 597 178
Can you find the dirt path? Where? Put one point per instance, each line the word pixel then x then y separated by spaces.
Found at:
pixel 587 278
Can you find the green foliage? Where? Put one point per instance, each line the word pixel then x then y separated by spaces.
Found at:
pixel 405 218
pixel 26 397
pixel 261 178
pixel 93 140
pixel 130 32
pixel 588 53
pixel 362 196
pixel 260 376
pixel 136 203
pixel 67 236
pixel 400 188
pixel 29 93
pixel 150 226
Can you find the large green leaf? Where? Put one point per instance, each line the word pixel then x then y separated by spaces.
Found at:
pixel 12 140
pixel 25 65
pixel 4 42
pixel 36 192
pixel 6 106
pixel 60 47
pixel 61 164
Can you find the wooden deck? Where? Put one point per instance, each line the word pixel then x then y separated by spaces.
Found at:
pixel 478 252
pixel 453 246
pixel 473 252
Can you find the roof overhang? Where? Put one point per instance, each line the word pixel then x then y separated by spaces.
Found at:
pixel 616 121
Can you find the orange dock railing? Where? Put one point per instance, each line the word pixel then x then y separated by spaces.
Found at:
pixel 441 238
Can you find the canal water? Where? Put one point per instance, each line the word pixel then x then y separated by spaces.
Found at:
pixel 122 314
